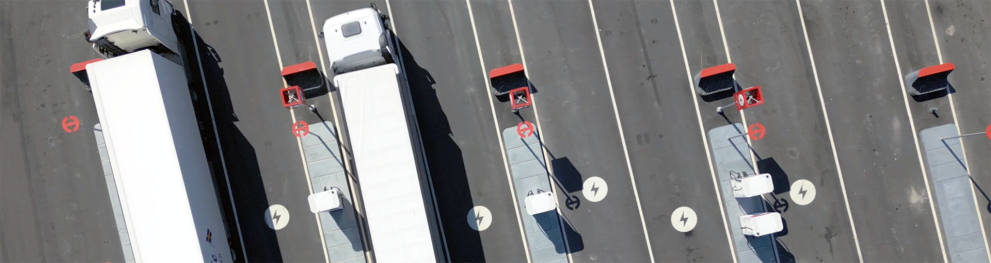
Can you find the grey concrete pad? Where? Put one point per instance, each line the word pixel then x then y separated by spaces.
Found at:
pixel 543 232
pixel 733 158
pixel 108 175
pixel 954 196
pixel 323 159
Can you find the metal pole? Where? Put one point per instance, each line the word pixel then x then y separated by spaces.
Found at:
pixel 719 109
pixel 965 135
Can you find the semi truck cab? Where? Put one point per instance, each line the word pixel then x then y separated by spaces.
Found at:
pixel 118 27
pixel 358 39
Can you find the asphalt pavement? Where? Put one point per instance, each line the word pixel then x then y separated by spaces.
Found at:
pixel 580 132
pixel 656 104
pixel 262 156
pixel 55 203
pixel 874 142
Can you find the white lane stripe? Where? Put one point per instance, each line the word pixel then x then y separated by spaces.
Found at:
pixel 398 57
pixel 495 123
pixel 619 126
pixel 829 131
pixel 540 130
pixel 743 117
pixel 956 122
pixel 345 158
pixel 915 137
pixel 705 140
pixel 299 141
pixel 216 135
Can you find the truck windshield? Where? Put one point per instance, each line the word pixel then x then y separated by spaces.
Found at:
pixel 110 4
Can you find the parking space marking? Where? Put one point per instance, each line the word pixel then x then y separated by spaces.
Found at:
pixel 915 135
pixel 684 219
pixel 595 189
pixel 479 218
pixel 829 131
pixel 299 141
pixel 277 217
pixel 622 137
pixel 705 139
pixel 536 114
pixel 345 158
pixel 803 192
pixel 956 122
pixel 495 123
pixel 216 135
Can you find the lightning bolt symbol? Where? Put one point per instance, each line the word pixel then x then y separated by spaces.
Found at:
pixel 478 218
pixel 684 220
pixel 802 191
pixel 276 216
pixel 595 190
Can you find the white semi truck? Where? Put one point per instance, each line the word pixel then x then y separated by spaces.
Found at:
pixel 396 189
pixel 167 194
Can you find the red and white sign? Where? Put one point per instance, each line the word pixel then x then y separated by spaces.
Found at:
pixel 524 129
pixel 748 97
pixel 300 129
pixel 987 132
pixel 70 124
pixel 756 131
pixel 520 97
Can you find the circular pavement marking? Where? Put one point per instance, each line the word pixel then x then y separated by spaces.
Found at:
pixel 479 218
pixel 277 216
pixel 595 189
pixel 684 219
pixel 803 192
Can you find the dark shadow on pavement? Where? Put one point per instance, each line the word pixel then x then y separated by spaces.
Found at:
pixel 446 163
pixel 246 185
pixel 778 175
pixel 567 175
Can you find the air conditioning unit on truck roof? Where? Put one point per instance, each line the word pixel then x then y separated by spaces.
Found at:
pixel 118 27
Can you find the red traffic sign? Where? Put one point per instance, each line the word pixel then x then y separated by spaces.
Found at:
pixel 519 97
pixel 524 129
pixel 988 131
pixel 300 129
pixel 70 124
pixel 756 131
pixel 748 97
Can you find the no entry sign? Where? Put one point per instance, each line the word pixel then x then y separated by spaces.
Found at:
pixel 300 129
pixel 524 129
pixel 70 124
pixel 756 131
pixel 987 132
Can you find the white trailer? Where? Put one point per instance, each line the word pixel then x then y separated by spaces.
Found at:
pixel 168 198
pixel 166 190
pixel 395 187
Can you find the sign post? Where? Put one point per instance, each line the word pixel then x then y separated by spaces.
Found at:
pixel 987 132
pixel 745 99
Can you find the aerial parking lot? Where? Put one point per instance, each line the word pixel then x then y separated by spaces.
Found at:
pixel 632 131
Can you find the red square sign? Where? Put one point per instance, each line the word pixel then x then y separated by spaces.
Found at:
pixel 748 97
pixel 520 97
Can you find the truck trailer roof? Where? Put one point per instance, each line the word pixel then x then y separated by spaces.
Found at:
pixel 387 165
pixel 156 154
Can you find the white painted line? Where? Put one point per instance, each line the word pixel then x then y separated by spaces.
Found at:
pixel 705 140
pixel 345 158
pixel 829 131
pixel 956 121
pixel 540 131
pixel 619 125
pixel 216 135
pixel 423 152
pixel 502 146
pixel 915 136
pixel 743 117
pixel 299 140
